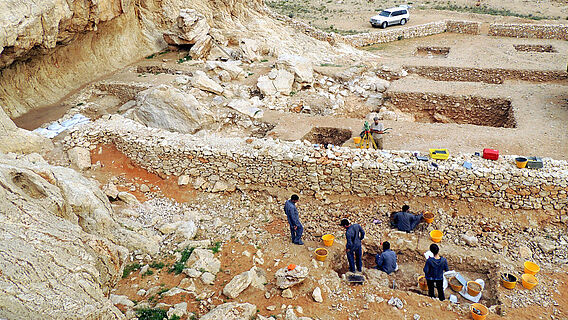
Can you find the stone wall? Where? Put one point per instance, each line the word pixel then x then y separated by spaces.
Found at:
pixel 466 27
pixel 303 167
pixel 388 35
pixel 548 31
pixel 489 75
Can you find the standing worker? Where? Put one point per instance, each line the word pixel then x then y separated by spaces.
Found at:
pixel 296 228
pixel 377 130
pixel 434 272
pixel 353 234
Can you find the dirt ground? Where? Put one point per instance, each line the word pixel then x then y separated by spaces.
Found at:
pixel 278 252
pixel 352 16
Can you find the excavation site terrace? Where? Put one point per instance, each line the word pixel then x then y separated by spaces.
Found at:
pixel 145 164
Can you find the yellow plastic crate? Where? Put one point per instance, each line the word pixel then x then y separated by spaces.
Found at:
pixel 440 154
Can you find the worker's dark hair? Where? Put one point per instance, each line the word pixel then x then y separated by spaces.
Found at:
pixel 405 207
pixel 294 197
pixel 344 222
pixel 386 245
pixel 434 248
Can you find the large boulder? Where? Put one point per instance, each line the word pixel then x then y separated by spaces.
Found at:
pixel 231 311
pixel 201 81
pixel 19 140
pixel 232 67
pixel 166 107
pixel 191 29
pixel 204 260
pixel 52 268
pixel 254 277
pixel 286 278
pixel 277 81
pixel 301 67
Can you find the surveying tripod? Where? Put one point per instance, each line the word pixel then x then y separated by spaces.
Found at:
pixel 367 139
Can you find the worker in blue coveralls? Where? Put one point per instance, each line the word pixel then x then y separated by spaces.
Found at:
pixel 353 234
pixel 296 228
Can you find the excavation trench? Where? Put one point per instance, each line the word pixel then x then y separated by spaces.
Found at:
pixel 441 108
pixel 534 48
pixel 439 52
pixel 328 135
pixel 411 265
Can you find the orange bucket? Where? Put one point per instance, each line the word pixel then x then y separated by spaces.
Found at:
pixel 422 283
pixel 511 281
pixel 531 267
pixel 428 217
pixel 476 309
pixel 473 288
pixel 529 281
pixel 436 235
pixel 328 240
pixel 357 140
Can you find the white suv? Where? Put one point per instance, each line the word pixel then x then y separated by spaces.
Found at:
pixel 391 16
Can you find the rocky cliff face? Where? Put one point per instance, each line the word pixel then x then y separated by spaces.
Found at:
pixel 50 47
pixel 50 267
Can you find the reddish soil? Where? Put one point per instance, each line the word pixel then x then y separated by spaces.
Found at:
pixel 115 163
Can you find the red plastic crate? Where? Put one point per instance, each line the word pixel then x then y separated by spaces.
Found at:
pixel 490 154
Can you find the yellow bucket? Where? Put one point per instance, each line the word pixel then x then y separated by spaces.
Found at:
pixel 321 254
pixel 521 162
pixel 529 281
pixel 328 240
pixel 357 140
pixel 511 281
pixel 531 267
pixel 436 235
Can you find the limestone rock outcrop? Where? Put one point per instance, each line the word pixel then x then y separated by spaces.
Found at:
pixel 19 140
pixel 191 29
pixel 52 267
pixel 231 311
pixel 166 107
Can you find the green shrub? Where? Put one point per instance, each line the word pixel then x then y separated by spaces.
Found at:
pixel 129 268
pixel 178 267
pixel 216 247
pixel 151 314
pixel 157 265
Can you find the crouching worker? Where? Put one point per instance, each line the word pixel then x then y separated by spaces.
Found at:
pixel 434 272
pixel 405 220
pixel 386 261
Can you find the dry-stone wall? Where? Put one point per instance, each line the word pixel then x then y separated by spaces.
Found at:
pixel 487 75
pixel 303 167
pixel 548 31
pixel 466 27
pixel 389 35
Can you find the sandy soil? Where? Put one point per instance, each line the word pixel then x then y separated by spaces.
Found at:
pixel 278 253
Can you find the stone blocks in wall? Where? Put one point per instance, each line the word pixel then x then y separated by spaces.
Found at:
pixel 267 163
pixel 549 31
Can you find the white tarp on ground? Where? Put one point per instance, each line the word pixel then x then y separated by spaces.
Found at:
pixel 56 127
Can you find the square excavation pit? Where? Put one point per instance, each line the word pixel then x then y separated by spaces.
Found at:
pixel 441 108
pixel 534 48
pixel 439 52
pixel 328 135
pixel 410 267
